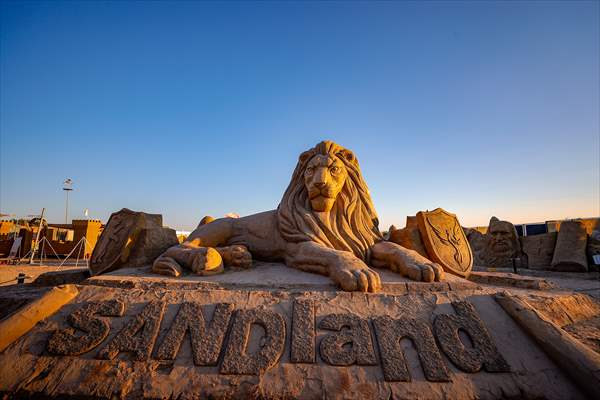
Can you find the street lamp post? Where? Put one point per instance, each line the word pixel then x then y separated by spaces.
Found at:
pixel 67 187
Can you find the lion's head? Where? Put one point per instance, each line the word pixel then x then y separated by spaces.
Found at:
pixel 328 202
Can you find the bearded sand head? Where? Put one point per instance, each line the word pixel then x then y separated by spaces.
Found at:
pixel 328 201
pixel 502 244
pixel 503 237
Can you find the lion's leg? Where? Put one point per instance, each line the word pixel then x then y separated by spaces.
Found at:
pixel 201 260
pixel 343 267
pixel 197 253
pixel 407 262
pixel 213 234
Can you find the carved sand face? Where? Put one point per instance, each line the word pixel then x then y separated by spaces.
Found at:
pixel 501 237
pixel 324 178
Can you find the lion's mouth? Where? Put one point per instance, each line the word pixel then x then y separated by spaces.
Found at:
pixel 325 193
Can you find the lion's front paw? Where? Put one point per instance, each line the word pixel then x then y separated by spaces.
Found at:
pixel 354 275
pixel 166 266
pixel 406 262
pixel 418 270
pixel 236 256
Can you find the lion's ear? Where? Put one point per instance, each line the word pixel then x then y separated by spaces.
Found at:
pixel 348 155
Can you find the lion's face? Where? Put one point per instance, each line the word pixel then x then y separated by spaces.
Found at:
pixel 324 178
pixel 328 202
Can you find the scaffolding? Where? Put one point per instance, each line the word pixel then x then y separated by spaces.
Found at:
pixel 43 243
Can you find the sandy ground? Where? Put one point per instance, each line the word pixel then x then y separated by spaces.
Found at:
pixel 9 273
pixel 581 282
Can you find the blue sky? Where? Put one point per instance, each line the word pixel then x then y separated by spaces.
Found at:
pixel 196 108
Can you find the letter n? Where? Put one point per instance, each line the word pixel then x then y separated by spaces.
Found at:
pixel 390 332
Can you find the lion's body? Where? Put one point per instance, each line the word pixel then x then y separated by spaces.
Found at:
pixel 325 223
pixel 257 232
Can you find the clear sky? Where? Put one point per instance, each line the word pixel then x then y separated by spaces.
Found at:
pixel 195 108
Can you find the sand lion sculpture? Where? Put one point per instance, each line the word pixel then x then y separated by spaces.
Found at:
pixel 325 223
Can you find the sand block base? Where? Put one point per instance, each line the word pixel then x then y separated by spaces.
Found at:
pixel 268 276
pixel 148 341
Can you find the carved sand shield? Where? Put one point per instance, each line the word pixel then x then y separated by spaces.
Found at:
pixel 445 241
pixel 112 242
pixel 118 237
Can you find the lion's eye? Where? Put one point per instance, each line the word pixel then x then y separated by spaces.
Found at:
pixel 335 170
pixel 309 171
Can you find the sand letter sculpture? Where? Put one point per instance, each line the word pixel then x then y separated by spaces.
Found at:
pixel 325 223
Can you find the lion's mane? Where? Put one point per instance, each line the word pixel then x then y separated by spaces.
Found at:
pixel 352 223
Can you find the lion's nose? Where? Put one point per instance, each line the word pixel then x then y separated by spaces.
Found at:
pixel 319 185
